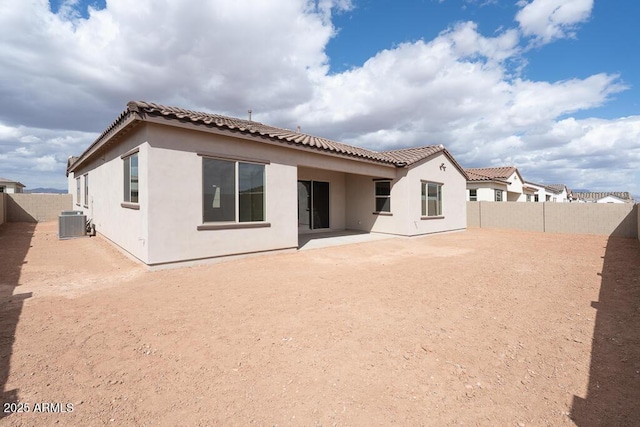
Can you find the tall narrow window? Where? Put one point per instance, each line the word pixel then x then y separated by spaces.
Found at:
pixel 498 195
pixel 473 195
pixel 431 199
pixel 383 196
pixel 131 182
pixel 77 190
pixel 232 191
pixel 250 192
pixel 86 189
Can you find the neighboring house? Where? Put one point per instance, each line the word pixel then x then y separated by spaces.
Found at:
pixel 498 184
pixel 169 185
pixel 8 186
pixel 562 193
pixel 602 197
pixel 557 193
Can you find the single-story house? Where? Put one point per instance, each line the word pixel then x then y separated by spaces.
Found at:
pixel 562 193
pixel 169 185
pixel 602 197
pixel 8 186
pixel 497 184
pixel 557 193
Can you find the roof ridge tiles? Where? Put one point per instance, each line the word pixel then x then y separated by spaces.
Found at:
pixel 137 110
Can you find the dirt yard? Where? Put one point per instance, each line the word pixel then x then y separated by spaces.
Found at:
pixel 484 327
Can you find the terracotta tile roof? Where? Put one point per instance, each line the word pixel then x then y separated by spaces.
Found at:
pixel 489 174
pixel 593 196
pixel 256 128
pixel 140 111
pixel 557 187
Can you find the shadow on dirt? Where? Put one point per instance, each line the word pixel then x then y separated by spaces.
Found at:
pixel 15 241
pixel 613 394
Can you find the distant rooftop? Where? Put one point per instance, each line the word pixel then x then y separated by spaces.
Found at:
pixel 9 181
pixel 488 174
pixel 593 195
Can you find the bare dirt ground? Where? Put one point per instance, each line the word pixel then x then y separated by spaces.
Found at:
pixel 484 327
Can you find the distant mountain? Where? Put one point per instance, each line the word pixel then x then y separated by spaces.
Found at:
pixel 45 190
pixel 580 190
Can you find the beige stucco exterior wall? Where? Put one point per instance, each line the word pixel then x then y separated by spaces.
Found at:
pixel 127 228
pixel 454 188
pixel 175 201
pixel 406 201
pixel 360 206
pixel 485 191
pixel 514 189
pixel 168 226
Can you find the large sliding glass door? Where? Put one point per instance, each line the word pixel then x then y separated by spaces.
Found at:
pixel 313 205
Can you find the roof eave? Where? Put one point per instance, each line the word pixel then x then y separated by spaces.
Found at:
pixel 124 121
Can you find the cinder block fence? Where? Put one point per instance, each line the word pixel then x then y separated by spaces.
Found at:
pixel 621 220
pixel 22 207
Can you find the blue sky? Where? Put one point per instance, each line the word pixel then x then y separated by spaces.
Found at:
pixel 549 86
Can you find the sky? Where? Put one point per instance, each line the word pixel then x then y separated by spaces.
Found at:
pixel 549 86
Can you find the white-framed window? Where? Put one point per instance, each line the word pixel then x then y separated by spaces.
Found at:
pixel 473 195
pixel 86 189
pixel 528 197
pixel 431 199
pixel 232 191
pixel 383 195
pixel 547 198
pixel 536 198
pixel 77 190
pixel 131 179
pixel 498 195
pixel 2 187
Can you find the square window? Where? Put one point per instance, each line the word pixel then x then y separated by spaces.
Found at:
pixel 223 200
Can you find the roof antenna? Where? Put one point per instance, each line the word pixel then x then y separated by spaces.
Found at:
pixel 249 111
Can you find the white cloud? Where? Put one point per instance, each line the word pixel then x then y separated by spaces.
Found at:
pixel 547 20
pixel 72 76
pixel 226 55
pixel 38 157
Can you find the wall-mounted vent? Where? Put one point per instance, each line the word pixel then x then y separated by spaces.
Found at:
pixel 72 224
